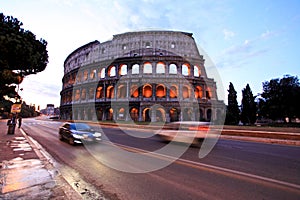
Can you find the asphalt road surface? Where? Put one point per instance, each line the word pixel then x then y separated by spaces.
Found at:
pixel 124 166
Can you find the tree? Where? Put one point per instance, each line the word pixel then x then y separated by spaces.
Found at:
pixel 248 107
pixel 281 98
pixel 233 111
pixel 20 55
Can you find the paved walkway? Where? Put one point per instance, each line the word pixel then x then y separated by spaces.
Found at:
pixel 25 173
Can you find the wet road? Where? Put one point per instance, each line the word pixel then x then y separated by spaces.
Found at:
pixel 232 170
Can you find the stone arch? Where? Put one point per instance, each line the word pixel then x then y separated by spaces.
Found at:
pixel 173 91
pixel 110 92
pixel 109 114
pixel 172 68
pixel 147 115
pixel 174 114
pixel 160 68
pixel 147 68
pixel 134 91
pixel 135 69
pixel 123 70
pixel 185 69
pixel 99 92
pixel 122 114
pixel 160 91
pixel 122 91
pixel 198 92
pixel 111 71
pixel 134 113
pixel 147 91
pixel 160 115
pixel 187 114
pixel 186 92
pixel 197 71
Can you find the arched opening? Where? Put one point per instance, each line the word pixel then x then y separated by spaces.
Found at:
pixel 135 69
pixel 187 114
pixel 172 69
pixel 121 114
pixel 83 94
pixel 147 115
pixel 134 114
pixel 160 91
pixel 91 93
pixel 134 92
pixel 93 74
pixel 109 114
pixel 123 70
pixel 77 95
pixel 185 92
pixel 198 92
pixel 85 74
pixel 147 91
pixel 99 93
pixel 110 92
pixel 112 71
pixel 208 93
pixel 102 73
pixel 185 69
pixel 197 71
pixel 174 115
pixel 122 91
pixel 160 115
pixel 173 91
pixel 160 68
pixel 99 113
pixel 147 68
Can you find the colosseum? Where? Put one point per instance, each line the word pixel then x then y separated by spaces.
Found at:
pixel 150 76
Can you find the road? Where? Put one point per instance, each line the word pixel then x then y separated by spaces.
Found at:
pixel 232 170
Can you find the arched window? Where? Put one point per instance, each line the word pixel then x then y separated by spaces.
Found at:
pixel 92 74
pixel 110 92
pixel 112 71
pixel 208 93
pixel 160 91
pixel 83 94
pixel 91 93
pixel 172 69
pixel 85 74
pixel 122 91
pixel 99 93
pixel 185 92
pixel 198 92
pixel 77 95
pixel 135 69
pixel 134 114
pixel 123 70
pixel 147 68
pixel 160 68
pixel 147 91
pixel 185 69
pixel 197 71
pixel 134 92
pixel 102 73
pixel 173 91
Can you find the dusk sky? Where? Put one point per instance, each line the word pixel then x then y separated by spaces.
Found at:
pixel 248 41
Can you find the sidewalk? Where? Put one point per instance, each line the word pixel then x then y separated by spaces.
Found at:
pixel 25 173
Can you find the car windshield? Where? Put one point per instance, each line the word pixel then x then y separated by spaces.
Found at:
pixel 80 127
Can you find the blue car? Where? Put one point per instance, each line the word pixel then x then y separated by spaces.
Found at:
pixel 77 133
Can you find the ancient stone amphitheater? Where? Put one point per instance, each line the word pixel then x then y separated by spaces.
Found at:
pixel 156 76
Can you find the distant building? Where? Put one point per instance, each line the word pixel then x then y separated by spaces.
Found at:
pixel 50 109
pixel 139 76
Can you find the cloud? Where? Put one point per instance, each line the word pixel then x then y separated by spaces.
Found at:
pixel 228 34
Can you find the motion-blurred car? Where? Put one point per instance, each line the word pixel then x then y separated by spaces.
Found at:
pixel 77 133
pixel 191 132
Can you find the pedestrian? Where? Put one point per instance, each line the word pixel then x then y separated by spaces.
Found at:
pixel 20 121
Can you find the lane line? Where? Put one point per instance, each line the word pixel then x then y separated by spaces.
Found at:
pixel 198 165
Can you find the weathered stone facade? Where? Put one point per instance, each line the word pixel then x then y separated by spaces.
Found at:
pixel 139 76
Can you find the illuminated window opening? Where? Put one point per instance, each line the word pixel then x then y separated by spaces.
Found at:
pixel 147 68
pixel 173 69
pixel 185 92
pixel 173 92
pixel 112 71
pixel 134 91
pixel 123 70
pixel 160 68
pixel 135 69
pixel 185 69
pixel 147 91
pixel 110 92
pixel 160 91
pixel 99 93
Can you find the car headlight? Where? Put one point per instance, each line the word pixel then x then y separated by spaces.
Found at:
pixel 78 136
pixel 97 134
